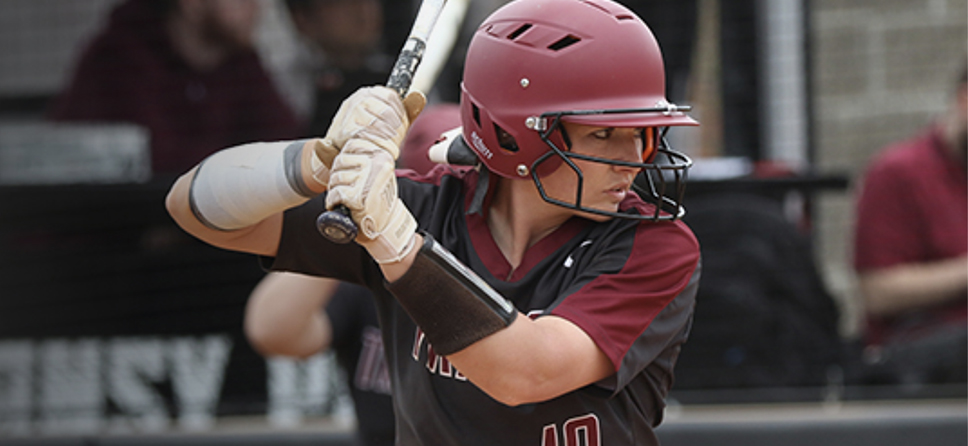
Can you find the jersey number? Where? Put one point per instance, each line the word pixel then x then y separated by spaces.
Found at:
pixel 579 431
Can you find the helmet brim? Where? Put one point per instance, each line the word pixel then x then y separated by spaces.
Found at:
pixel 648 119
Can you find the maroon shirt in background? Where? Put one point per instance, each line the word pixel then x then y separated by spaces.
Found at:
pixel 913 208
pixel 130 73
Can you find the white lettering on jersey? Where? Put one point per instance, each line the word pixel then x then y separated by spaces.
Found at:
pixel 437 364
pixel 582 430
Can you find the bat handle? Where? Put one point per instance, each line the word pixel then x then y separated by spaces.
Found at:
pixel 337 225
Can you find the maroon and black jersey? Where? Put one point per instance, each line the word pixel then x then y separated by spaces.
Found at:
pixel 629 284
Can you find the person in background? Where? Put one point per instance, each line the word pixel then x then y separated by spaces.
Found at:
pixel 284 315
pixel 911 250
pixel 186 71
pixel 340 51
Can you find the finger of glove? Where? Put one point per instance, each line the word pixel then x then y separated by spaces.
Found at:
pixel 347 180
pixel 325 150
pixel 315 162
pixel 358 170
pixel 373 113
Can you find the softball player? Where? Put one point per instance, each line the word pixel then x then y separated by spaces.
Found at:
pixel 534 299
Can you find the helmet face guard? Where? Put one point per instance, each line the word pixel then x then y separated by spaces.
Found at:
pixel 662 175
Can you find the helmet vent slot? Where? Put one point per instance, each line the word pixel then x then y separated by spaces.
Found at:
pixel 521 29
pixel 505 140
pixel 564 42
pixel 476 113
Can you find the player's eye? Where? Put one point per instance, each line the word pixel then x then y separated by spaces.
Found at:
pixel 603 133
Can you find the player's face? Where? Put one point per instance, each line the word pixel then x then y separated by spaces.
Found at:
pixel 605 185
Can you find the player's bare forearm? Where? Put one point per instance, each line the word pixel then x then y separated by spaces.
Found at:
pixel 533 360
pixel 901 288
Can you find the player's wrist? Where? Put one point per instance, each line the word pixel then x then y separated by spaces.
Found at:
pixel 396 239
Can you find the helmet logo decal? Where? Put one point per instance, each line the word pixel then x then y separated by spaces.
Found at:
pixel 479 145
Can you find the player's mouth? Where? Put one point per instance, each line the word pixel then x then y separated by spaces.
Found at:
pixel 618 192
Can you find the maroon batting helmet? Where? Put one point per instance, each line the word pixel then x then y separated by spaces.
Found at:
pixel 535 63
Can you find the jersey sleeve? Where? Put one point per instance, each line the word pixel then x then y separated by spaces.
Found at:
pixel 302 249
pixel 346 314
pixel 640 311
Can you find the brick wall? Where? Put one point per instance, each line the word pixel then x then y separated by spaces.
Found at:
pixel 882 69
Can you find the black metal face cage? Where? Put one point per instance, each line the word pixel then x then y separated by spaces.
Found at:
pixel 661 182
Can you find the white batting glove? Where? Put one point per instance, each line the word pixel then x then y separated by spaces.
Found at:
pixel 363 180
pixel 373 113
pixel 313 168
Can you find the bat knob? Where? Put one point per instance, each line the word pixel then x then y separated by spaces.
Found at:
pixel 337 226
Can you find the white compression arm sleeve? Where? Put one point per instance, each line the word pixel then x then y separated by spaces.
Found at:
pixel 240 186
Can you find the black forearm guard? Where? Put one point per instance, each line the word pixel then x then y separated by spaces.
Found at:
pixel 451 304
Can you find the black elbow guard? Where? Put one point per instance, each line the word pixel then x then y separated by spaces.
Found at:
pixel 451 304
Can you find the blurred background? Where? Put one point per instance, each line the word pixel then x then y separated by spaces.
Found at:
pixel 117 328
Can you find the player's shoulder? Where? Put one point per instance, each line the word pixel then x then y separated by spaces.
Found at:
pixel 673 230
pixel 665 239
pixel 669 233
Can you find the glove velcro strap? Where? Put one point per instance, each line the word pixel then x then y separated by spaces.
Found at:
pixel 451 304
pixel 397 238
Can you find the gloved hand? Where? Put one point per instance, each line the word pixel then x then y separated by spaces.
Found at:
pixel 373 113
pixel 363 179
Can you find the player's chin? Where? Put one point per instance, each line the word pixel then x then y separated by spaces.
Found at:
pixel 604 207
